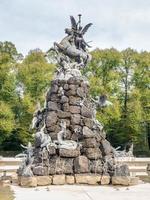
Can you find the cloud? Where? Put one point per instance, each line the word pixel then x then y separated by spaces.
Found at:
pixel 38 23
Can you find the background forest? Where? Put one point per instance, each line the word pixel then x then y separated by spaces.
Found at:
pixel 124 76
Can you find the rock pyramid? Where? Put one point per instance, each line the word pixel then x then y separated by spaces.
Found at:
pixel 69 141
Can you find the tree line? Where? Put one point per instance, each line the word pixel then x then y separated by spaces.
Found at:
pixel 123 76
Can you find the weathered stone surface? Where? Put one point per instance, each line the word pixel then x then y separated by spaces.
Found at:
pixel 51 150
pixel 52 106
pixel 53 128
pixel 80 92
pixel 75 109
pixel 74 100
pixel 96 166
pixel 64 99
pixel 53 97
pixel 134 180
pixel 61 166
pixel 44 180
pixel 90 179
pixel 59 179
pixel 106 147
pixel 70 180
pixel 105 180
pixel 90 143
pixel 66 86
pixel 54 88
pixel 74 80
pixel 40 171
pixel 87 133
pixel 77 132
pixel 88 122
pixel 81 164
pixel 72 153
pixel 122 170
pixel 86 112
pixel 63 115
pixel 75 119
pixel 93 153
pixel 121 180
pixel 66 107
pixel 51 119
pixel 71 92
pixel 72 87
pixel 28 181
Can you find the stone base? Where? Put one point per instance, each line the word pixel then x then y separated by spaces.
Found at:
pixel 89 179
pixel 124 180
pixel 27 181
pixel 59 179
pixel 44 180
pixel 105 180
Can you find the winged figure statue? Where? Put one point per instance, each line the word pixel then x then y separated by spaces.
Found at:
pixel 74 45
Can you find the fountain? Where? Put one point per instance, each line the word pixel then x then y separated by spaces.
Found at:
pixel 70 144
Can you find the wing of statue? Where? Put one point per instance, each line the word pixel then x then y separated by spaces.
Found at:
pixel 84 30
pixel 73 23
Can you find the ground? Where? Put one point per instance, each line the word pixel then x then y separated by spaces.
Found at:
pixel 76 192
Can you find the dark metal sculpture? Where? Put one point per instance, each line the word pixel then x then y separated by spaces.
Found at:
pixel 73 45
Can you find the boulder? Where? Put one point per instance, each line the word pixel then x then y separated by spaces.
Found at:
pixel 51 119
pixel 40 171
pixel 90 143
pixel 65 107
pixel 59 179
pixel 28 181
pixel 96 166
pixel 122 170
pixel 93 153
pixel 66 86
pixel 71 92
pixel 106 147
pixel 105 180
pixel 70 180
pixel 87 133
pixel 63 115
pixel 51 150
pixel 64 99
pixel 121 180
pixel 44 180
pixel 88 122
pixel 53 97
pixel 75 109
pixel 90 179
pixel 72 87
pixel 52 106
pixel 54 88
pixel 75 119
pixel 71 153
pixel 74 100
pixel 54 128
pixel 80 92
pixel 86 112
pixel 134 180
pixel 81 164
pixel 61 166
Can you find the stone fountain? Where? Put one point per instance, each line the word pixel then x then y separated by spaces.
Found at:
pixel 70 143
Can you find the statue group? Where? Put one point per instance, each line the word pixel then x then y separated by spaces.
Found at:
pixel 68 138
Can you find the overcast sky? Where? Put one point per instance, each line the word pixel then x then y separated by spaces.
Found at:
pixel 31 24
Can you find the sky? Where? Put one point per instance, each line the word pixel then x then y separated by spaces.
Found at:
pixel 31 24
